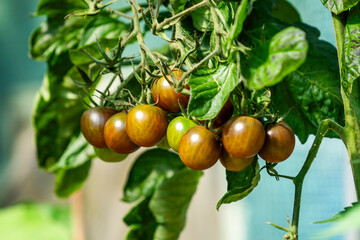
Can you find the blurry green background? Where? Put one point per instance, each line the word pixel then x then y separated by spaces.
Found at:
pixel 328 187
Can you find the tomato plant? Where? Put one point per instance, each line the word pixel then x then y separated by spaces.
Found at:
pixel 107 155
pixel 176 129
pixel 245 65
pixel 199 148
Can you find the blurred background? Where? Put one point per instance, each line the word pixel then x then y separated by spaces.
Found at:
pixel 328 187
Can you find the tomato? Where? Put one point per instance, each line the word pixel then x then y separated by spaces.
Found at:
pixel 224 115
pixel 243 136
pixel 163 144
pixel 176 129
pixel 279 142
pixel 146 125
pixel 165 96
pixel 234 164
pixel 115 135
pixel 107 155
pixel 92 124
pixel 199 148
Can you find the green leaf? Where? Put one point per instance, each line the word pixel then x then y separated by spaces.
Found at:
pixel 71 180
pixel 141 222
pixel 346 221
pixel 169 203
pixel 275 59
pixel 351 52
pixel 150 169
pixel 210 89
pixel 178 5
pixel 35 222
pixel 338 6
pixel 77 153
pixel 285 12
pixel 60 9
pixel 312 94
pixel 240 184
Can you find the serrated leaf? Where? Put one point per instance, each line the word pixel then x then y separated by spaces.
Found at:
pixel 210 89
pixel 351 52
pixel 312 94
pixel 169 203
pixel 60 9
pixel 346 221
pixel 240 184
pixel 338 6
pixel 77 153
pixel 70 180
pixel 149 170
pixel 275 59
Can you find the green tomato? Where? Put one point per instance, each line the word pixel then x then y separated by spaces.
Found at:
pixel 176 129
pixel 107 155
pixel 163 144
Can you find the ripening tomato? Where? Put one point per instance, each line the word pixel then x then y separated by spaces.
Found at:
pixel 243 136
pixel 199 148
pixel 234 164
pixel 107 155
pixel 146 125
pixel 176 129
pixel 163 144
pixel 165 95
pixel 115 135
pixel 224 115
pixel 279 142
pixel 92 125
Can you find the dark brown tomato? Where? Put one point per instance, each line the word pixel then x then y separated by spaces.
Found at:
pixel 234 164
pixel 165 95
pixel 279 142
pixel 146 125
pixel 243 136
pixel 92 124
pixel 115 135
pixel 224 115
pixel 199 148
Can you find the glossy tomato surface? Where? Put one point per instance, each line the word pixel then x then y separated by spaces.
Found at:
pixel 146 125
pixel 234 164
pixel 224 115
pixel 279 142
pixel 176 129
pixel 107 155
pixel 115 135
pixel 199 148
pixel 92 124
pixel 243 136
pixel 165 96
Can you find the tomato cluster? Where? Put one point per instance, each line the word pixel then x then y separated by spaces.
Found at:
pixel 116 134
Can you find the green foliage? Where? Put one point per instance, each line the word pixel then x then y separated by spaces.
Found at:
pixel 240 184
pixel 210 89
pixel 338 6
pixel 162 212
pixel 35 222
pixel 346 221
pixel 275 59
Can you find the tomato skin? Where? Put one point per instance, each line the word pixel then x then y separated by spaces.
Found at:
pixel 243 136
pixel 279 142
pixel 146 125
pixel 234 164
pixel 107 155
pixel 199 148
pixel 224 115
pixel 92 125
pixel 165 95
pixel 176 129
pixel 115 135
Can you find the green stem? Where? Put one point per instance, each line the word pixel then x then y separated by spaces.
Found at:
pixel 325 125
pixel 352 128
